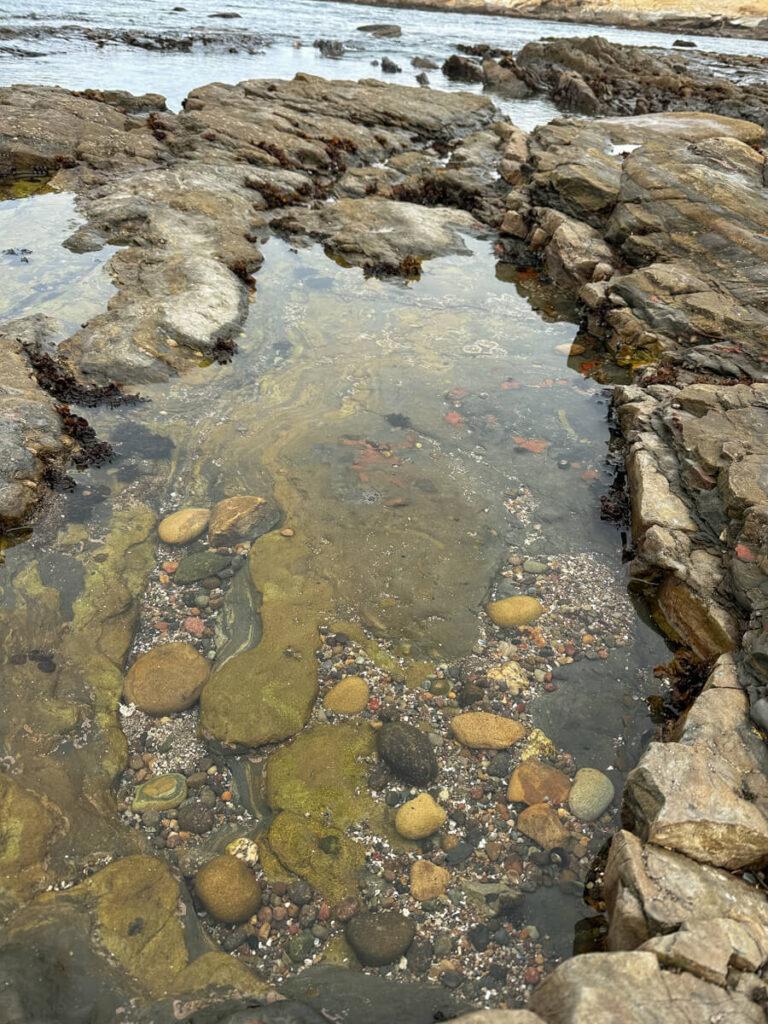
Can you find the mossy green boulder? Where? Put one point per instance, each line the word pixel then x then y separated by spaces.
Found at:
pixel 322 773
pixel 266 694
pixel 323 856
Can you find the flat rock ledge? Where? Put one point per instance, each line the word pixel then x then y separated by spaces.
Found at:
pixel 657 224
pixel 189 197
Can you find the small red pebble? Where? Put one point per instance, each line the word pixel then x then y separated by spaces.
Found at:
pixel 744 553
pixel 550 687
pixel 162 626
pixel 374 704
pixel 194 625
pixel 294 929
pixel 531 975
pixel 170 567
pixel 324 912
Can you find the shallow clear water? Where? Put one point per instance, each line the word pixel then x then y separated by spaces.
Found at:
pixel 274 29
pixel 414 434
pixel 39 274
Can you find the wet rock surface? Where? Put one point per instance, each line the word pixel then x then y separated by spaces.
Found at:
pixel 173 191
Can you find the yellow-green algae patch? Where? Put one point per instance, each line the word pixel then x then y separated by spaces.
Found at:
pixel 218 970
pixel 266 694
pixel 320 773
pixel 129 910
pixel 330 861
pixel 61 727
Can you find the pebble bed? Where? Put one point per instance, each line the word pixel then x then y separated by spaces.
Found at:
pixel 491 960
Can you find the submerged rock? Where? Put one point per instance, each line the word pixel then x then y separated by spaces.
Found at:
pixel 228 889
pixel 245 517
pixel 541 824
pixel 482 730
pixel 160 793
pixel 378 939
pixel 428 881
pixel 591 794
pixel 183 526
pixel 199 566
pixel 534 781
pixel 514 611
pixel 323 856
pixel 348 697
pixel 420 817
pixel 166 679
pixel 408 752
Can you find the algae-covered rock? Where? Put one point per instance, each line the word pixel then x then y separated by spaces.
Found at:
pixel 260 696
pixel 218 970
pixel 160 793
pixel 183 526
pixel 323 856
pixel 514 611
pixel 266 694
pixel 322 773
pixel 128 911
pixel 228 889
pixel 166 679
pixel 244 517
pixel 27 828
pixel 348 697
pixel 198 566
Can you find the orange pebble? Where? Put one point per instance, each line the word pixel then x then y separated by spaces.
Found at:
pixel 170 567
pixel 226 796
pixel 287 532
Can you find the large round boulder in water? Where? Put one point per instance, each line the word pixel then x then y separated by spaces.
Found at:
pixel 228 889
pixel 166 679
pixel 408 752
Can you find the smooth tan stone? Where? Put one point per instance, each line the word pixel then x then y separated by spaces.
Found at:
pixel 482 730
pixel 228 889
pixel 534 780
pixel 541 824
pixel 348 697
pixel 183 526
pixel 515 611
pixel 428 880
pixel 420 817
pixel 166 679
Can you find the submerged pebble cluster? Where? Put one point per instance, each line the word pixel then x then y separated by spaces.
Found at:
pixel 463 882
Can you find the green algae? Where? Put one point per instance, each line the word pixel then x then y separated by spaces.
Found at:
pixel 266 694
pixel 301 845
pixel 22 188
pixel 322 773
pixel 218 971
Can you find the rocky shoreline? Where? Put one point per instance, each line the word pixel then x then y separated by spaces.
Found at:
pixel 578 13
pixel 656 224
